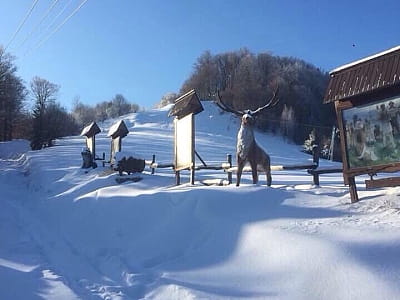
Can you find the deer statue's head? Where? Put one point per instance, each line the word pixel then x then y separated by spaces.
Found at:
pixel 248 116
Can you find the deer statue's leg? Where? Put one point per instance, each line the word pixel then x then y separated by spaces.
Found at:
pixel 239 170
pixel 253 165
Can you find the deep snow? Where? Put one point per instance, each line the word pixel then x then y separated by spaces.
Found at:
pixel 68 233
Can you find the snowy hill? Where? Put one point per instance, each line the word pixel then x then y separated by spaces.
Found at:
pixel 66 233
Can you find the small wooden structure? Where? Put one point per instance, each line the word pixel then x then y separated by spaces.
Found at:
pixel 117 132
pixel 90 132
pixel 366 95
pixel 186 104
pixel 184 110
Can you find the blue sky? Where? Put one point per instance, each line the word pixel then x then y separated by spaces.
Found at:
pixel 144 49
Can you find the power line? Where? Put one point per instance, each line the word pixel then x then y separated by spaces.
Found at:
pixel 59 14
pixel 41 42
pixel 39 23
pixel 22 23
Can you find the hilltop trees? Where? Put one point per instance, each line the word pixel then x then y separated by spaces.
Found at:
pixel 168 98
pixel 117 106
pixel 246 80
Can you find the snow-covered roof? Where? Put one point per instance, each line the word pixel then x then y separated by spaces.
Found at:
pixel 364 59
pixel 118 129
pixel 90 130
pixel 370 74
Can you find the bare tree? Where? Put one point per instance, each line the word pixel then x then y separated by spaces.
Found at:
pixel 43 93
pixel 12 95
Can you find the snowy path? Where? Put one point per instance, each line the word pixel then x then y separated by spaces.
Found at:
pixel 70 234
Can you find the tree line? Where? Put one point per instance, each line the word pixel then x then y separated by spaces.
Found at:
pixel 117 106
pixel 246 80
pixel 47 120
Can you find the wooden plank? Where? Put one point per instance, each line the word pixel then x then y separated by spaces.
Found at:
pixel 354 81
pixel 385 68
pixel 389 68
pixel 325 171
pixel 391 75
pixel 345 83
pixel 396 70
pixel 373 75
pixel 383 182
pixel 367 77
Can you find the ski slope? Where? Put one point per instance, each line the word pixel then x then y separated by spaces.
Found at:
pixel 70 233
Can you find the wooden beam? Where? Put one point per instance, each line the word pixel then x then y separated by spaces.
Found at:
pixel 383 182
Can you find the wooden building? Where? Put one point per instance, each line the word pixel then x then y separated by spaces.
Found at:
pixel 366 95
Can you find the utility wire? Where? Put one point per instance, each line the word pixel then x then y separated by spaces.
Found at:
pixel 58 15
pixel 38 24
pixel 41 42
pixel 22 23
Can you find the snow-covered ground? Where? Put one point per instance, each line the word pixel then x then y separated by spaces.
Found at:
pixel 70 233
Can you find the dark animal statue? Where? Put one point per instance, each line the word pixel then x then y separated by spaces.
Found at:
pixel 247 148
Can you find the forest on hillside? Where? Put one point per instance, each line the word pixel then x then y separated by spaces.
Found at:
pixel 246 81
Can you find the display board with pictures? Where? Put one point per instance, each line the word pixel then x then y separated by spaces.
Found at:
pixel 372 133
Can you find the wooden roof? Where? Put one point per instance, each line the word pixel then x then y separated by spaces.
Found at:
pixel 119 129
pixel 364 76
pixel 91 130
pixel 186 104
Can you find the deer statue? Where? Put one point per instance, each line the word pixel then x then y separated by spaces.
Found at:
pixel 247 149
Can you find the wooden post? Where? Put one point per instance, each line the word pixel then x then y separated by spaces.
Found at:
pixel 353 189
pixel 229 158
pixel 152 162
pixel 94 148
pixel 332 145
pixel 316 178
pixel 192 175
pixel 315 153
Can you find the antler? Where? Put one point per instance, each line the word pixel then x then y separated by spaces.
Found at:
pixel 271 103
pixel 225 107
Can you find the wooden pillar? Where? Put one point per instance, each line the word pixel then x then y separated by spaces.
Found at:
pixel 315 153
pixel 192 175
pixel 352 189
pixel 229 158
pixel 152 162
pixel 316 178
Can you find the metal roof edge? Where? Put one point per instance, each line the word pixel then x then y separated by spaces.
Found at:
pixel 343 67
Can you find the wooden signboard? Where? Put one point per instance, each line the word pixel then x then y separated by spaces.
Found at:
pixel 184 145
pixel 366 94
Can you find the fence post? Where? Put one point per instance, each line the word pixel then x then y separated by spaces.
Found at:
pixel 315 153
pixel 229 158
pixel 152 162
